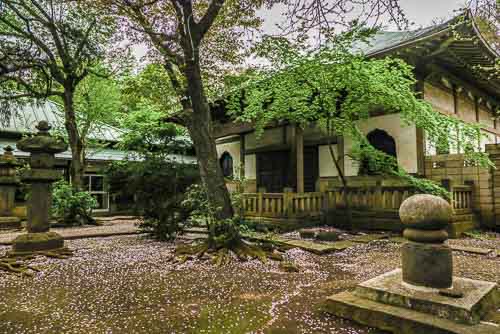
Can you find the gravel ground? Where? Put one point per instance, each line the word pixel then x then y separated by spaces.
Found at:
pixel 108 227
pixel 126 284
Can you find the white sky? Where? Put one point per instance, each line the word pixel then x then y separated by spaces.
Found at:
pixel 421 12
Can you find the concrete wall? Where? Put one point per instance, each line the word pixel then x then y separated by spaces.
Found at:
pixel 405 137
pixel 452 167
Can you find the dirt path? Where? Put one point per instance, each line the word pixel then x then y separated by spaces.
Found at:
pixel 126 284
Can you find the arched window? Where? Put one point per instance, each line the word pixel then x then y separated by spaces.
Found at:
pixel 382 141
pixel 226 163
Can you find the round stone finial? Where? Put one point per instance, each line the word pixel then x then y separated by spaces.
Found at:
pixel 8 150
pixel 43 127
pixel 425 212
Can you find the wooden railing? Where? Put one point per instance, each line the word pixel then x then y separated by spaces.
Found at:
pixel 311 204
pixel 377 198
pixel 386 199
pixel 462 199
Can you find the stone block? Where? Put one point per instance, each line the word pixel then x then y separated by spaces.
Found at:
pixel 10 223
pixel 396 319
pixel 427 265
pixel 478 297
pixel 33 242
pixel 327 236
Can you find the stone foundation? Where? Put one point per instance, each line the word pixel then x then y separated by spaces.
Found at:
pixel 8 223
pixel 34 242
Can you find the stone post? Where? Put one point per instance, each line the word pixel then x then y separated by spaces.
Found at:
pixel 42 174
pixel 8 184
pixel 426 259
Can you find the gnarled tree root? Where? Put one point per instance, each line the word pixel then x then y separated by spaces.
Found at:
pixel 242 250
pixel 17 263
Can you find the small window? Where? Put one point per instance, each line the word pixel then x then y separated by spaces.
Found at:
pixel 226 163
pixel 95 185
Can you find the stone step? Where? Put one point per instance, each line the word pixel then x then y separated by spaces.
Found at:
pixel 473 250
pixel 310 246
pixel 367 238
pixel 478 298
pixel 397 319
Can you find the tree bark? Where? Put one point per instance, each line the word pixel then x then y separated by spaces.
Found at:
pixel 77 166
pixel 200 129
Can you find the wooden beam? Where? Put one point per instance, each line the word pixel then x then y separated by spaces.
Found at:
pixel 299 139
pixel 442 47
pixel 242 156
pixel 420 138
pixel 292 160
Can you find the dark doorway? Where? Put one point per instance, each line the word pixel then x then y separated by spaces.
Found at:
pixel 226 164
pixel 272 170
pixel 311 168
pixel 382 141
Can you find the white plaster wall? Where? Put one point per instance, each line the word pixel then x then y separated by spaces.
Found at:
pixel 489 138
pixel 439 98
pixel 251 167
pixel 485 117
pixel 404 135
pixel 430 148
pixel 232 148
pixel 326 164
pixel 466 109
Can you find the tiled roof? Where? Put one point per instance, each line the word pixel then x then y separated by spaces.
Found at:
pixel 101 154
pixel 24 119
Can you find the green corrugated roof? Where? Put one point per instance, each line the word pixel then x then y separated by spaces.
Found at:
pixel 25 118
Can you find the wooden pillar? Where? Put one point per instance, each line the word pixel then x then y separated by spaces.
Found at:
pixel 242 156
pixel 292 160
pixel 299 144
pixel 420 134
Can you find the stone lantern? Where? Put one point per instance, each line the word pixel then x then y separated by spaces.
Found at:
pixel 423 296
pixel 8 185
pixel 40 176
pixel 426 259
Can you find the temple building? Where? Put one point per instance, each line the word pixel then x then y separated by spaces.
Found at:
pixel 23 121
pixel 289 171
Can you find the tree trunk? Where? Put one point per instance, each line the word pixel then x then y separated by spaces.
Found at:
pixel 201 131
pixel 77 166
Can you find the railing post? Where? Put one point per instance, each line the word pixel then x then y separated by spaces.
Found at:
pixel 259 203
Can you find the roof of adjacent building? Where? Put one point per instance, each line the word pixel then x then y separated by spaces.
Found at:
pixel 24 119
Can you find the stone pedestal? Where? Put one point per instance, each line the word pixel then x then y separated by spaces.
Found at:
pixel 8 185
pixel 42 147
pixel 423 296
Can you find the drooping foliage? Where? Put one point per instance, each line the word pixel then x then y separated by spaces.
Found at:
pixel 337 89
pixel 196 41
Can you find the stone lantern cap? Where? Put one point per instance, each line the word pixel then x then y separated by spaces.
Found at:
pixel 8 164
pixel 42 142
pixel 7 159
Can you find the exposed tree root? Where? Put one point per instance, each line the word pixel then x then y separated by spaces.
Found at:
pixel 18 263
pixel 241 250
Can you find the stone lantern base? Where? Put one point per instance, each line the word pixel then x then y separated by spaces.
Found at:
pixel 386 302
pixel 7 223
pixel 35 242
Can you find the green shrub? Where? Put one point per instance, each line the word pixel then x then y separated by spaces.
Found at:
pixel 70 207
pixel 158 186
